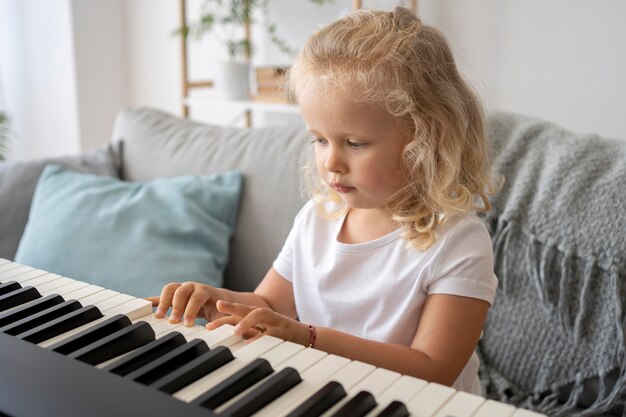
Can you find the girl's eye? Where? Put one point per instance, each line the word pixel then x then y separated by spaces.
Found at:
pixel 356 145
pixel 319 141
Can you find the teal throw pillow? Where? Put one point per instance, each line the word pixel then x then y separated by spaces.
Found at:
pixel 131 237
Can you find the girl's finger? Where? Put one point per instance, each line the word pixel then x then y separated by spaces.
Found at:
pixel 179 303
pixel 154 300
pixel 258 318
pixel 200 295
pixel 233 320
pixel 165 300
pixel 234 309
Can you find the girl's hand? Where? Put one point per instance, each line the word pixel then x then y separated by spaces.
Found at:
pixel 253 322
pixel 187 300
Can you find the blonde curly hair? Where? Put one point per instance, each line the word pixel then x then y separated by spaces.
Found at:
pixel 391 59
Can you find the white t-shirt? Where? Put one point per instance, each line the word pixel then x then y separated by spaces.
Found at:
pixel 376 290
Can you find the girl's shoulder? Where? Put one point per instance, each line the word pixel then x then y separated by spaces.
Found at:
pixel 468 228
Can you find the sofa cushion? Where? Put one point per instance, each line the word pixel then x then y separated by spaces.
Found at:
pixel 157 144
pixel 131 237
pixel 17 185
pixel 554 338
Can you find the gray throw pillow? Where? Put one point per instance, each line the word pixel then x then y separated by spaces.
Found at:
pixel 17 186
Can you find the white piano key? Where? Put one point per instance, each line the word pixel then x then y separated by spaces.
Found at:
pixel 65 289
pixel 11 266
pixel 242 356
pixel 520 412
pixel 148 318
pixel 462 404
pixel 83 292
pixel 278 358
pixel 491 408
pixel 222 336
pixel 429 400
pixel 4 261
pixel 25 274
pixel 97 297
pixel 52 285
pixel 114 301
pixel 374 382
pixel 403 389
pixel 315 375
pixel 38 281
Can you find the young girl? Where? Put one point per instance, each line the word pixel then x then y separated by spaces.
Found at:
pixel 386 264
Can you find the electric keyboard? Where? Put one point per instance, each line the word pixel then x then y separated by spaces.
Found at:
pixel 69 348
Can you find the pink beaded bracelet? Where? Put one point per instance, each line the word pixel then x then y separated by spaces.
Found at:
pixel 312 335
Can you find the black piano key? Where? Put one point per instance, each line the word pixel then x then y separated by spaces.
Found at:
pixel 61 325
pixel 194 370
pixel 91 334
pixel 146 354
pixel 169 362
pixel 123 341
pixel 29 308
pixel 41 317
pixel 234 384
pixel 357 406
pixel 394 409
pixel 314 406
pixel 266 392
pixel 9 286
pixel 18 297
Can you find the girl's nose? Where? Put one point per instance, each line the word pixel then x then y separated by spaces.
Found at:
pixel 334 162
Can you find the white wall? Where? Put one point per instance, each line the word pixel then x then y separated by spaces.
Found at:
pixel 67 66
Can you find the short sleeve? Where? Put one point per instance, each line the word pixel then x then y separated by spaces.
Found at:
pixel 283 264
pixel 463 263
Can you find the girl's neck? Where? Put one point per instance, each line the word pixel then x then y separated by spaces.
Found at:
pixel 364 225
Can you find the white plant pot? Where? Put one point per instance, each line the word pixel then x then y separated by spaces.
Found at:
pixel 232 81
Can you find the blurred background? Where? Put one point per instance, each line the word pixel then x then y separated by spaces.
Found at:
pixel 68 66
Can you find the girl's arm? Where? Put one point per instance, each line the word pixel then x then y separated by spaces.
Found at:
pixel 447 334
pixel 192 299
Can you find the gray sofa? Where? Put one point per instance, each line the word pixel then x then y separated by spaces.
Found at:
pixel 554 338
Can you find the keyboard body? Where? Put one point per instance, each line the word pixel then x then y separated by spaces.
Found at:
pixel 40 379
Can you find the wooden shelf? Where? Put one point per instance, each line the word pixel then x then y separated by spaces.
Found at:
pixel 241 105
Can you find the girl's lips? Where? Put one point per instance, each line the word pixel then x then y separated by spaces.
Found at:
pixel 340 188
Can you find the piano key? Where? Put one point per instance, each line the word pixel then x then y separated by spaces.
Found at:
pixel 114 301
pixel 373 382
pixel 28 309
pixel 242 356
pixel 462 404
pixel 357 406
pixel 193 370
pixel 313 378
pixel 394 409
pixel 287 354
pixel 222 336
pixel 169 362
pixel 9 286
pixel 11 266
pixel 318 403
pixel 146 354
pixel 53 284
pixel 41 317
pixel 90 335
pixel 4 261
pixel 134 308
pixel 98 297
pixel 118 343
pixel 25 274
pixel 429 400
pixel 61 324
pixel 264 393
pixel 64 290
pixel 491 408
pixel 402 390
pixel 18 297
pixel 234 384
pixel 82 292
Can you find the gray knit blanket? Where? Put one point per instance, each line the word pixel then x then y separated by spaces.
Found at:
pixel 554 338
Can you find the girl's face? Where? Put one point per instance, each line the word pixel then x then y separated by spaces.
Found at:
pixel 358 148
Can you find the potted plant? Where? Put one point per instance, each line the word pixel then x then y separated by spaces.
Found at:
pixel 229 21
